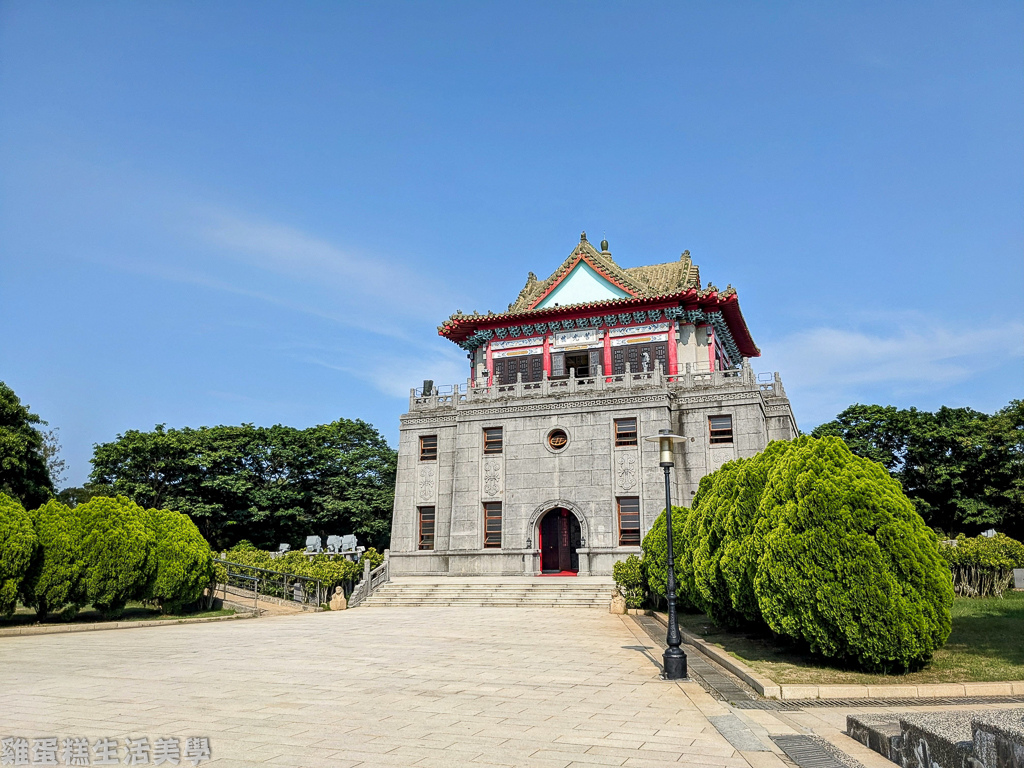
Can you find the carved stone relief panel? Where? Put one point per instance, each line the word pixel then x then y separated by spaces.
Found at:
pixel 627 470
pixel 719 456
pixel 426 486
pixel 492 478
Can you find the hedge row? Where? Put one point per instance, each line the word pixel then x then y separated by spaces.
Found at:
pixel 331 571
pixel 104 552
pixel 819 545
pixel 983 566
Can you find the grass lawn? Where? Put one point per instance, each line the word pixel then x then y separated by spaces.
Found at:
pixel 987 644
pixel 132 612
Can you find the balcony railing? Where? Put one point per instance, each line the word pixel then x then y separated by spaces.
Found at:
pixel 449 396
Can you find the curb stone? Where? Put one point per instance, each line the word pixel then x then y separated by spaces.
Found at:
pixel 772 690
pixel 56 629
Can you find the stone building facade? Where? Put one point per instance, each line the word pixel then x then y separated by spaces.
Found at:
pixel 538 464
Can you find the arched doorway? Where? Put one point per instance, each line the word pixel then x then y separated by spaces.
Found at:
pixel 560 537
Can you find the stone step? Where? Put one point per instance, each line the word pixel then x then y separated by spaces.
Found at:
pixel 952 739
pixel 880 733
pixel 539 593
pixel 401 598
pixel 497 603
pixel 409 592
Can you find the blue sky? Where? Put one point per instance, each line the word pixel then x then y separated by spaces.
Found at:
pixel 214 213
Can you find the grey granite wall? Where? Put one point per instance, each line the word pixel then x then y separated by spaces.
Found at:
pixel 529 477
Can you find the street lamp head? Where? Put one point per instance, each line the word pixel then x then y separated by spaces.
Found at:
pixel 665 440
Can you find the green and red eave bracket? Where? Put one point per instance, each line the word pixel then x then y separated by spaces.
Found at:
pixel 460 327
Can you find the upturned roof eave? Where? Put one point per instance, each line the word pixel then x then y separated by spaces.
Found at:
pixel 459 327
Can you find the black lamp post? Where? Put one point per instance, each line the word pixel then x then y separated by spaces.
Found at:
pixel 674 659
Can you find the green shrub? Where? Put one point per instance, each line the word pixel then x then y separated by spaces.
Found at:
pixel 184 561
pixel 698 564
pixel 999 551
pixel 848 566
pixel 629 577
pixel 376 558
pixel 983 566
pixel 17 546
pixel 56 578
pixel 331 571
pixel 655 553
pixel 741 548
pixel 118 548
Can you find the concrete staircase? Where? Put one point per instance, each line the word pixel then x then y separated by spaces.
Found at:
pixel 490 591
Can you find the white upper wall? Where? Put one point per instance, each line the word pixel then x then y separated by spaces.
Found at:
pixel 583 284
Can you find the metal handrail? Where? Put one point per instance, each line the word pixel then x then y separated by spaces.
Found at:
pixel 276 583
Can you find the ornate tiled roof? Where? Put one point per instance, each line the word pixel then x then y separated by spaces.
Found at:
pixel 653 280
pixel 673 283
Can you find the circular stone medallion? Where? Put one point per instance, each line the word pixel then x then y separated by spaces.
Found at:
pixel 557 439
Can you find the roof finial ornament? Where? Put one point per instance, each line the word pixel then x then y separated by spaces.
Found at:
pixel 604 246
pixel 685 255
pixel 583 237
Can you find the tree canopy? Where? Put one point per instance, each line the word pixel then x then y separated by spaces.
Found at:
pixel 24 474
pixel 963 469
pixel 265 484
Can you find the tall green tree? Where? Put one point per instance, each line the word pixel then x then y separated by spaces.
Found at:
pixel 23 452
pixel 963 469
pixel 55 580
pixel 264 484
pixel 118 547
pixel 18 544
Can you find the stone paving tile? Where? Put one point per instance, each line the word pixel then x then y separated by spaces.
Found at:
pixel 432 688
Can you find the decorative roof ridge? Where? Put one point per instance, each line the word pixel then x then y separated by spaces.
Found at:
pixel 534 291
pixel 460 317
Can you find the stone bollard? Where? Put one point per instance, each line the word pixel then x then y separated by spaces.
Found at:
pixel 618 603
pixel 338 601
pixel 1018 578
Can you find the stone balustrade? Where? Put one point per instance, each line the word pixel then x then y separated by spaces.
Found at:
pixel 477 391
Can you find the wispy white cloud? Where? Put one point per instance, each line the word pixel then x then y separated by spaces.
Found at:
pixel 359 281
pixel 827 368
pixel 395 378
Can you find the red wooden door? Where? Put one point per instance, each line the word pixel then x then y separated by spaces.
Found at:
pixel 564 551
pixel 549 540
pixel 559 537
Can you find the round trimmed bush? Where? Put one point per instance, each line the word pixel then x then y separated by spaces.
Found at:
pixel 629 578
pixel 184 561
pixel 118 549
pixel 846 564
pixel 17 546
pixel 56 578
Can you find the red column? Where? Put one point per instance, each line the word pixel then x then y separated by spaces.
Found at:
pixel 711 348
pixel 607 354
pixel 547 355
pixel 490 365
pixel 673 362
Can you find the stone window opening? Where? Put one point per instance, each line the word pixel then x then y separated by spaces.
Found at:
pixel 492 524
pixel 629 521
pixel 493 440
pixel 426 525
pixel 720 430
pixel 625 432
pixel 428 447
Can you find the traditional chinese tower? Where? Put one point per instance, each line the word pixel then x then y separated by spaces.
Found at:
pixel 537 465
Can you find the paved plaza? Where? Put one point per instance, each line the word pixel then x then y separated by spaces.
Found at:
pixel 427 687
